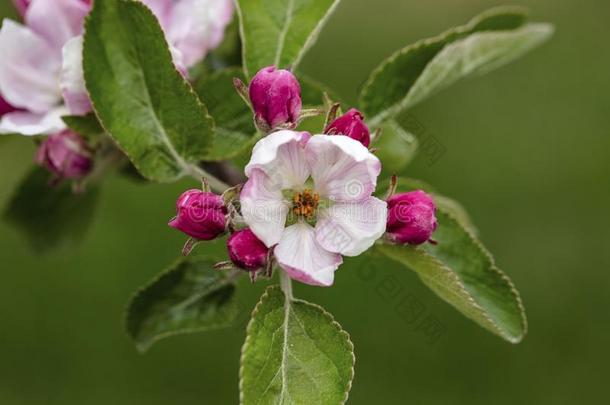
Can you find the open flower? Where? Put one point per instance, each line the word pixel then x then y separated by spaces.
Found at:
pixel 41 71
pixel 311 198
pixel 192 27
pixel 31 64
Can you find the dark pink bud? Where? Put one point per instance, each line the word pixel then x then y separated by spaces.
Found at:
pixel 66 155
pixel 411 217
pixel 5 107
pixel 246 251
pixel 276 98
pixel 200 215
pixel 351 124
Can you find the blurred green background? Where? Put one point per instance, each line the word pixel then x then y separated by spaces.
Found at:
pixel 527 152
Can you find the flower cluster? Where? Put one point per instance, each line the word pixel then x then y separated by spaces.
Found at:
pixel 41 72
pixel 308 200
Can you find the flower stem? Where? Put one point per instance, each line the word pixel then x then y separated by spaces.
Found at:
pixel 216 184
pixel 286 284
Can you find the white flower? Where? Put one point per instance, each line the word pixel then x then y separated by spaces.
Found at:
pixel 193 27
pixel 31 64
pixel 310 197
pixel 41 72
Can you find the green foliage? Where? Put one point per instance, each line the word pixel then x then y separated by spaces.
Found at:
pixel 462 272
pixel 86 125
pixel 295 353
pixel 417 71
pixel 141 99
pixel 234 125
pixel 50 216
pixel 188 297
pixel 279 32
pixel 396 147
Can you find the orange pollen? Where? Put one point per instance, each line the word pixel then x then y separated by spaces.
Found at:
pixel 305 203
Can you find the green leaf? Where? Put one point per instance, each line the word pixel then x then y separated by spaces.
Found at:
pixel 462 272
pixel 477 54
pixel 235 130
pixel 141 99
pixel 312 92
pixel 189 297
pixel 279 32
pixel 50 216
pixel 396 147
pixel 417 71
pixel 295 353
pixel 86 125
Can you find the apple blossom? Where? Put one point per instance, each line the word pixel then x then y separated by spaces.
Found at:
pixel 31 64
pixel 310 198
pixel 41 70
pixel 193 27
pixel 411 217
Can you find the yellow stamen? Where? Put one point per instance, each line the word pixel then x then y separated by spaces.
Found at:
pixel 305 203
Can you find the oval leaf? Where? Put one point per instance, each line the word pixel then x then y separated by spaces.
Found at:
pixel 386 93
pixel 188 297
pixel 50 215
pixel 279 32
pixel 295 353
pixel 463 273
pixel 140 98
pixel 476 54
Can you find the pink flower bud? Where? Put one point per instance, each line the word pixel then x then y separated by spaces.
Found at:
pixel 411 217
pixel 200 215
pixel 66 155
pixel 246 251
pixel 351 124
pixel 276 98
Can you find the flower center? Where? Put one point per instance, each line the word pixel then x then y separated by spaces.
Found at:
pixel 304 203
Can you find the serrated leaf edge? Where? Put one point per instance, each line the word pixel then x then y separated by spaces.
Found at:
pixel 325 313
pixel 493 268
pixel 461 29
pixel 143 347
pixel 166 140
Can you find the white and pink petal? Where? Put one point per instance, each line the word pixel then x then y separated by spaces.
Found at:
pixel 264 208
pixel 300 255
pixel 57 21
pixel 342 169
pixel 351 228
pixel 197 26
pixel 281 155
pixel 72 80
pixel 29 69
pixel 27 123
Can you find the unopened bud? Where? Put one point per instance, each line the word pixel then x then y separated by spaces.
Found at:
pixel 411 217
pixel 246 251
pixel 276 99
pixel 200 215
